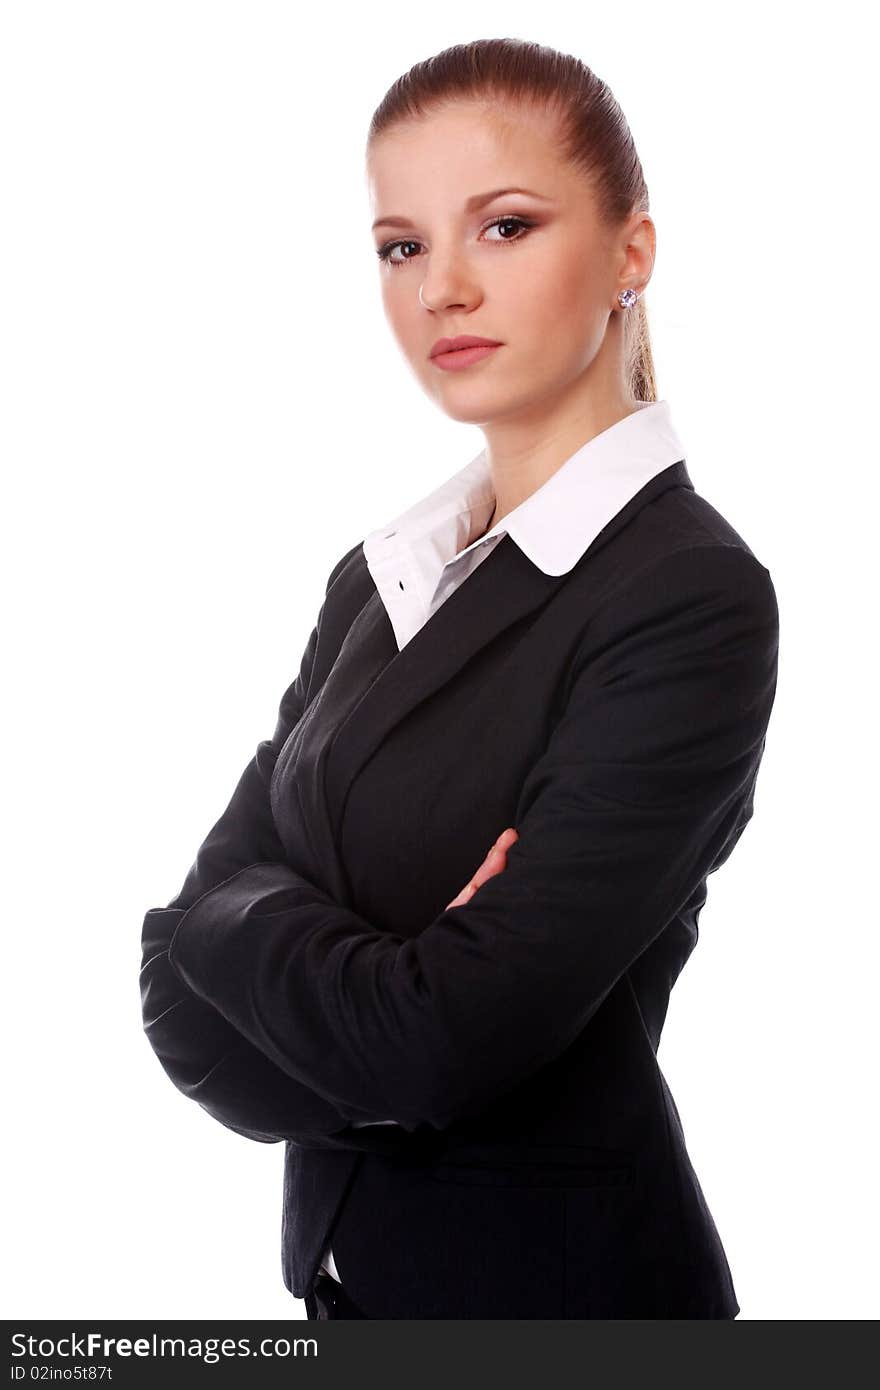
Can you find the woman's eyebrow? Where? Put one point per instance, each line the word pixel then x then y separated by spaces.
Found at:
pixel 477 201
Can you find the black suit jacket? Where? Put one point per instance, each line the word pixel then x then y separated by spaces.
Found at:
pixel 309 975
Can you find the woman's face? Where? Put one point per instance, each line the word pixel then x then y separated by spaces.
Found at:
pixel 543 283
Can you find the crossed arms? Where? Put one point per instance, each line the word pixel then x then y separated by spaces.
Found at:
pixel 637 797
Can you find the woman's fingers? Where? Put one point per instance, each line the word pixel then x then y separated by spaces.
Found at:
pixel 506 839
pixel 494 863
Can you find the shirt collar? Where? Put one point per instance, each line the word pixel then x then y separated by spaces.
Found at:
pixel 556 524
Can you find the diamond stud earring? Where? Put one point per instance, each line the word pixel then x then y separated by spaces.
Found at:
pixel 627 298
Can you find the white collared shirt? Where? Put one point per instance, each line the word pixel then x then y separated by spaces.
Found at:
pixel 420 557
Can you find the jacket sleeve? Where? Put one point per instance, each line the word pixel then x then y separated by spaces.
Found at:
pixel 638 795
pixel 202 1052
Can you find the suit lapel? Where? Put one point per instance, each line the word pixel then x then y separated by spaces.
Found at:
pixel 506 588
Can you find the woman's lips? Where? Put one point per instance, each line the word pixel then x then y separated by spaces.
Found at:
pixel 463 357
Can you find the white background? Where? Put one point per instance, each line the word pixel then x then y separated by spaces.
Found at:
pixel 203 408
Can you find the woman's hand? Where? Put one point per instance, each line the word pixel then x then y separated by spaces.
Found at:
pixel 494 863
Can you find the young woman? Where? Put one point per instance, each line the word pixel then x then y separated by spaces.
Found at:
pixel 563 652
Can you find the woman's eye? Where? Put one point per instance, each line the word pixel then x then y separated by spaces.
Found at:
pixel 508 221
pixel 518 223
pixel 384 253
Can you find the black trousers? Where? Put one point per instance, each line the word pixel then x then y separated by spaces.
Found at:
pixel 328 1299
